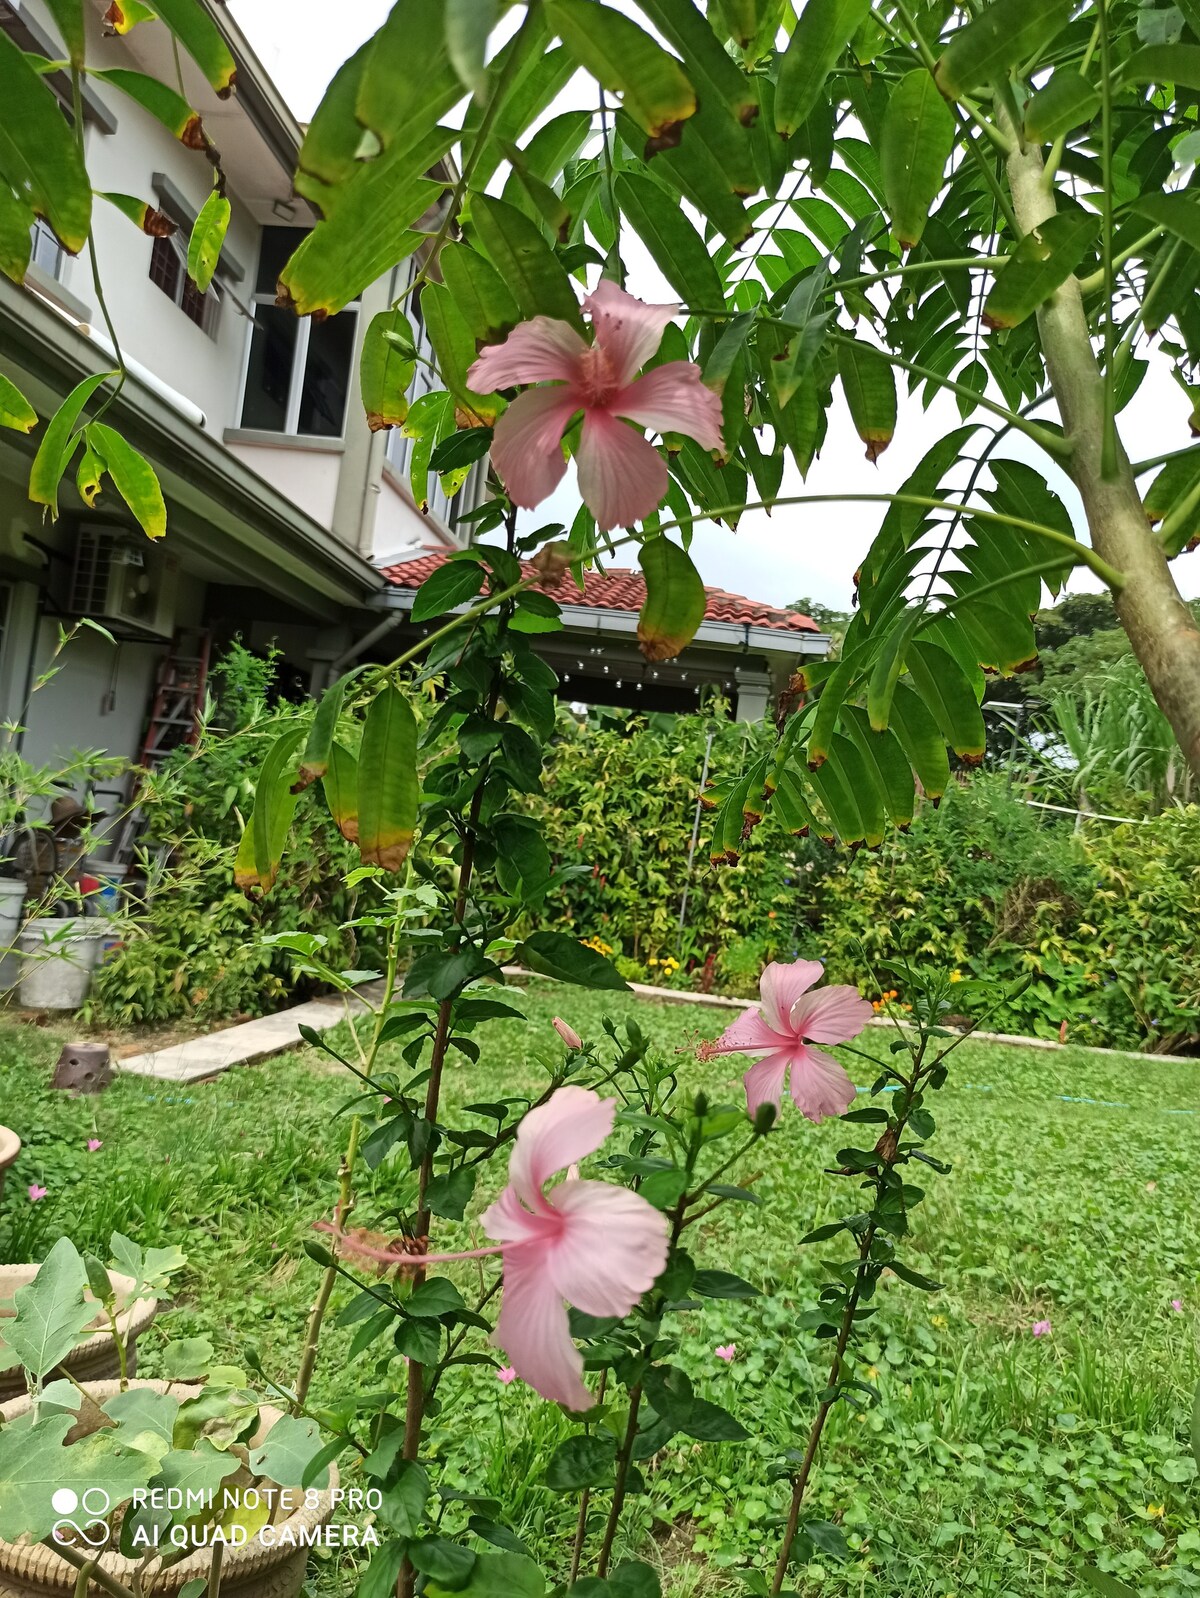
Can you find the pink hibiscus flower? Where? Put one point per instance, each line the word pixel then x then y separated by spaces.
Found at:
pixel 567 1033
pixel 590 1244
pixel 622 477
pixel 781 1033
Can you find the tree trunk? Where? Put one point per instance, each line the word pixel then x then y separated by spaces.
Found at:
pixel 1162 630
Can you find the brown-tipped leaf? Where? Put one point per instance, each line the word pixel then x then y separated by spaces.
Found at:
pixel 675 600
pixel 388 788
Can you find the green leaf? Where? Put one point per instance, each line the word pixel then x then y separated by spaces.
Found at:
pixel 1005 32
pixel 709 1423
pixel 454 349
pixel 436 1297
pixel 633 1578
pixel 141 213
pixel 500 1576
pixel 915 1278
pixel 265 835
pixel 387 781
pixel 68 18
pixel 887 763
pixel 921 741
pixel 1042 261
pixel 287 1451
pixel 16 242
pixel 526 264
pixel 1195 1426
pixel 199 35
pixel 222 1416
pixel 186 1359
pixel 941 683
pixel 208 235
pixel 916 140
pixel 35 1464
pixel 628 62
pixel 161 101
pixel 1179 213
pixel 39 157
pixel 199 1469
pixel 468 25
pixel 823 30
pixel 450 1192
pixel 15 410
pixel 451 585
pixel 385 372
pixel 405 1498
pixel 480 293
pixel 722 1284
pixel 141 1410
pixel 582 1461
pixel 1068 101
pixel 1178 64
pixel 870 389
pixel 51 1311
pixel 135 479
pixel 447 1563
pixel 58 443
pixel 675 599
pixel 679 252
pixel 1100 1581
pixel 553 954
pixel 314 762
pixel 340 786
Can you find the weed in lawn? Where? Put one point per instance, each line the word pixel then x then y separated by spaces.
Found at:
pixel 996 1463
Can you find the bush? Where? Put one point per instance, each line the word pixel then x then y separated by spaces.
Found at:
pixel 195 951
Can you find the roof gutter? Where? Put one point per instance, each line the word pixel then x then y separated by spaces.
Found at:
pixel 257 94
pixel 623 623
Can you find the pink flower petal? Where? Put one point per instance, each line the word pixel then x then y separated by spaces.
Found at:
pixel 527 447
pixel 749 1034
pixel 819 1085
pixel 538 351
pixel 571 1124
pixel 781 985
pixel 506 1374
pixel 725 1351
pixel 764 1082
pixel 831 1015
pixel 622 478
pixel 534 1332
pixel 627 329
pixel 612 1247
pixel 672 399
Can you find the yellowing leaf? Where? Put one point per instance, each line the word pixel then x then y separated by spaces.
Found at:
pixel 134 478
pixel 653 87
pixel 675 600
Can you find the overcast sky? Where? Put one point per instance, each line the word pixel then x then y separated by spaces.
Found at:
pixel 812 550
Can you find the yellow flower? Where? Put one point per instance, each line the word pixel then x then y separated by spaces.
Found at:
pixel 938 1320
pixel 872 1373
pixel 1155 1511
pixel 956 976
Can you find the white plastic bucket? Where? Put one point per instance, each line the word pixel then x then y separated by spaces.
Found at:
pixel 12 897
pixel 58 958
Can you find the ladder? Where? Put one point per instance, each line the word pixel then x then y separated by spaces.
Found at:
pixel 178 697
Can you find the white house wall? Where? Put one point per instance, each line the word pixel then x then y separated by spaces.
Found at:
pixel 308 476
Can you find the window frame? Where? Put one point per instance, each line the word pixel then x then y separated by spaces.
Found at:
pixel 211 298
pixel 291 418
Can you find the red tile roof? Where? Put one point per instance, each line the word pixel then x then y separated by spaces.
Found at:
pixel 618 588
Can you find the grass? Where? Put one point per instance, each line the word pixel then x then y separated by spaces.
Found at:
pixel 996 1464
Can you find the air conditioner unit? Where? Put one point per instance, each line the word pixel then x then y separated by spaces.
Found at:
pixel 120 578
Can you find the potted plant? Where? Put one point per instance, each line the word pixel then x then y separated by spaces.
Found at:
pixel 185 1480
pixel 118 1317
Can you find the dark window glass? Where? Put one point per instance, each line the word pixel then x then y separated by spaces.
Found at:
pixel 277 245
pixel 193 304
pixel 165 268
pixel 326 376
pixel 269 374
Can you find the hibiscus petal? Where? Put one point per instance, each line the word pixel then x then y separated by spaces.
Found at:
pixel 627 329
pixel 508 1221
pixel 527 447
pixel 832 1015
pixel 672 399
pixel 819 1085
pixel 781 985
pixel 538 351
pixel 534 1332
pixel 573 1122
pixel 622 478
pixel 764 1081
pixel 611 1250
pixel 749 1034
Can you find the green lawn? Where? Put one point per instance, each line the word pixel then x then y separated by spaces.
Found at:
pixel 997 1463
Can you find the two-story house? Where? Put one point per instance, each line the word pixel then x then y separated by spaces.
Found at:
pixel 288 520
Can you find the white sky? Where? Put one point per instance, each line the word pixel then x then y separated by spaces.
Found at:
pixel 809 550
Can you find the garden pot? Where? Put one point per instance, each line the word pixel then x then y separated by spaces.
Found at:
pixel 10 1147
pixel 12 897
pixel 95 1359
pixel 258 1570
pixel 59 956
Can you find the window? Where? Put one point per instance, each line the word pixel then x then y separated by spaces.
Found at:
pixel 45 250
pixel 298 370
pixel 168 269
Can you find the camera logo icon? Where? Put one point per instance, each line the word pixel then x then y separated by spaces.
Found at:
pixel 81 1513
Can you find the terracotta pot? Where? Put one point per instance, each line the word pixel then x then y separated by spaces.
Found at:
pixel 10 1147
pixel 95 1359
pixel 258 1570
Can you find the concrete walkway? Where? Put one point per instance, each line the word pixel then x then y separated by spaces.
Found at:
pixel 242 1044
pixel 272 1034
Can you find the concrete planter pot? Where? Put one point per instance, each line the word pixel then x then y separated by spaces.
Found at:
pixel 58 958
pixel 10 1147
pixel 273 1569
pixel 95 1359
pixel 12 897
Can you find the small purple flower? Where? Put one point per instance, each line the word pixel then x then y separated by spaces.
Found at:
pixel 1177 1305
pixel 1041 1328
